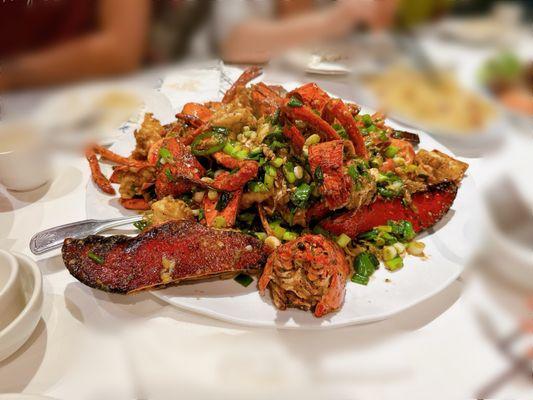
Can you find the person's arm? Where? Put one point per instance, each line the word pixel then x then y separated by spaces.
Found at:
pixel 257 40
pixel 116 47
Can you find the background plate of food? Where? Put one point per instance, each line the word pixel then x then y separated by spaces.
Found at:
pixel 438 105
pixel 390 272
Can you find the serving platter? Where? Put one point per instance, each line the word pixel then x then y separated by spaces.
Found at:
pixel 448 248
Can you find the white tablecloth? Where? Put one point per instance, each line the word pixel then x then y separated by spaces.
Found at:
pixel 93 345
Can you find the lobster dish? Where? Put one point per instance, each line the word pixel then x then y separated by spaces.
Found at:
pixel 295 187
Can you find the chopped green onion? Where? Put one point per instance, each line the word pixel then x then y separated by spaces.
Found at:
pixel 258 187
pixel 95 258
pixel 261 235
pixel 313 139
pixel 219 222
pixel 365 263
pixel 352 172
pixel 300 196
pixel 403 230
pixel 340 130
pixel 208 143
pixel 394 264
pixel 362 280
pixel 343 240
pixel 229 149
pixel 294 102
pixel 416 248
pixel 278 230
pixel 389 252
pixel 165 154
pixel 270 170
pixel 275 117
pixel 141 225
pixel 277 162
pixel 291 177
pixel 269 181
pixel 319 175
pixel 391 151
pixel 287 236
pixel 367 119
pixel 169 175
pixel 243 279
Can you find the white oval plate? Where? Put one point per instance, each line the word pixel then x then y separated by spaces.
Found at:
pixel 448 246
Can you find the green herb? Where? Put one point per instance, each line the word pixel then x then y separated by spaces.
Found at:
pixel 343 240
pixel 278 230
pixel 208 143
pixel 300 196
pixel 391 151
pixel 275 117
pixel 319 175
pixel 223 200
pixel 219 222
pixel 394 264
pixel 257 187
pixel 287 236
pixel 362 280
pixel 365 264
pixel 276 145
pixel 141 225
pixel 95 258
pixel 352 172
pixel 169 175
pixel 243 279
pixel 367 119
pixel 340 130
pixel 200 214
pixel 221 130
pixel 402 230
pixel 294 102
pixel 165 154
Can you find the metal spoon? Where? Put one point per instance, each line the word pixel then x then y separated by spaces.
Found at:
pixel 53 238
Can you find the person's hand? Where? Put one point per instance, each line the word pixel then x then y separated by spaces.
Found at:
pixel 376 14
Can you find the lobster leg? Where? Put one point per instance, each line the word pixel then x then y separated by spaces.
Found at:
pixel 307 115
pixel 336 109
pixel 98 177
pixel 248 74
pixel 295 136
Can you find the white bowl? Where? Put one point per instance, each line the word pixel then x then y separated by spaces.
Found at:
pixel 11 299
pixel 24 156
pixel 14 335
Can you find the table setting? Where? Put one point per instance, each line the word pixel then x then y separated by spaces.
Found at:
pixel 434 326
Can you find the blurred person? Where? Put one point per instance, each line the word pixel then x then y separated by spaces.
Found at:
pixel 254 31
pixel 49 42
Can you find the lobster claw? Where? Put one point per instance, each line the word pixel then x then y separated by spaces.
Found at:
pixel 426 210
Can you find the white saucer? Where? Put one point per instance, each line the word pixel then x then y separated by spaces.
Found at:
pixel 14 335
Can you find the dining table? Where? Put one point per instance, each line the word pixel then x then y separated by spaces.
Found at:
pixel 90 344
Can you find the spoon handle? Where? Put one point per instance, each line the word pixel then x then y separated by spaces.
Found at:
pixel 53 238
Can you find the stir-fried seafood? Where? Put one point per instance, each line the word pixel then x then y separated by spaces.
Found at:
pixel 166 254
pixel 338 188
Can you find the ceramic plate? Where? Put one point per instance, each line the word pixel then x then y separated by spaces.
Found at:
pixel 448 246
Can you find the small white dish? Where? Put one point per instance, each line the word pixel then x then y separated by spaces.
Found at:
pixel 16 333
pixel 24 156
pixel 11 300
